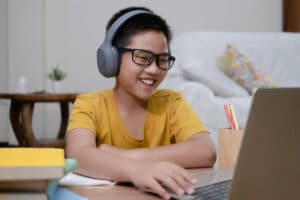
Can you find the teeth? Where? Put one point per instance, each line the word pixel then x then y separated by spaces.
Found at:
pixel 147 81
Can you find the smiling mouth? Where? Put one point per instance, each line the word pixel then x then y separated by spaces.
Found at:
pixel 148 82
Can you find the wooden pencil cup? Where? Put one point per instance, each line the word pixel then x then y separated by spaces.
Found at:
pixel 229 141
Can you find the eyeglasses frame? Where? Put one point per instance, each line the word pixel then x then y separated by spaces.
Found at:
pixel 154 57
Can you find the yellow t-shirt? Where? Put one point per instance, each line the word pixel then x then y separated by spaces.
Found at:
pixel 169 119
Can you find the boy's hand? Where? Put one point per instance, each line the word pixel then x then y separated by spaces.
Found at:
pixel 153 175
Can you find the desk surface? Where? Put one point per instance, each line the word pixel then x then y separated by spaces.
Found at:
pixel 121 191
pixel 39 97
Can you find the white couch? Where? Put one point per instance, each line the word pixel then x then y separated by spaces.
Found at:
pixel 207 88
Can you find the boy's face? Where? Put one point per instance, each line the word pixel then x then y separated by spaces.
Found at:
pixel 137 80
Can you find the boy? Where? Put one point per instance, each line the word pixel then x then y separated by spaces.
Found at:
pixel 134 132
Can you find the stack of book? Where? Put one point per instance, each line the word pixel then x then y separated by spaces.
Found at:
pixel 28 173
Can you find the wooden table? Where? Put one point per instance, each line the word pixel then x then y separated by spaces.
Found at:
pixel 21 112
pixel 126 192
pixel 112 192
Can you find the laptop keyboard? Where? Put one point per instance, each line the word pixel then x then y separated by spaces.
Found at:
pixel 215 191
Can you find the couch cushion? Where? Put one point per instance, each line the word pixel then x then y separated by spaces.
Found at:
pixel 211 76
pixel 241 69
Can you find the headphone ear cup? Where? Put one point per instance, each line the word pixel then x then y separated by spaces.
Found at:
pixel 101 61
pixel 116 62
pixel 108 60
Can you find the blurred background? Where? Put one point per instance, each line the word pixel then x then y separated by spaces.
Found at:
pixel 36 35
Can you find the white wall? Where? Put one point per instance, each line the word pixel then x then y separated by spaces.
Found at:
pixel 4 69
pixel 44 33
pixel 27 51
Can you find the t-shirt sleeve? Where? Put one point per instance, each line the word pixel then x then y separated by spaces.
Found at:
pixel 83 115
pixel 185 122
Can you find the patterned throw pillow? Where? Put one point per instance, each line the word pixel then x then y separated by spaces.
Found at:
pixel 238 67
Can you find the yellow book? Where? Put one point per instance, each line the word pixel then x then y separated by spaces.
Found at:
pixel 31 163
pixel 31 157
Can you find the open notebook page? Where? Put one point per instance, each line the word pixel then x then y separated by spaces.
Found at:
pixel 72 179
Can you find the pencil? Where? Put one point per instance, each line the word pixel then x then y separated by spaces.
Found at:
pixel 229 116
pixel 234 117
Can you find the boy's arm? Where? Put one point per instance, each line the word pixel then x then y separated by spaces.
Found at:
pixel 81 145
pixel 98 163
pixel 197 151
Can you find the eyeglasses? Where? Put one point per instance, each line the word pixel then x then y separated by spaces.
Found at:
pixel 145 58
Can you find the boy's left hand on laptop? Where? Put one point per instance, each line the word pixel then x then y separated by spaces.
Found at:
pixel 162 176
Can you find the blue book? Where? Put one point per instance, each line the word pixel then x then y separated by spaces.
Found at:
pixel 57 193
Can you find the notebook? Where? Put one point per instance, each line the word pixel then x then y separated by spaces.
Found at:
pixel 268 165
pixel 73 179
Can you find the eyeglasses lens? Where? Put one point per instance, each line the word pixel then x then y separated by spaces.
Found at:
pixel 146 58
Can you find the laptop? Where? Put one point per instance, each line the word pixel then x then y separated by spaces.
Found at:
pixel 268 165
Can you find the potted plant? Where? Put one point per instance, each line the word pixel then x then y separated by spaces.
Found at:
pixel 56 75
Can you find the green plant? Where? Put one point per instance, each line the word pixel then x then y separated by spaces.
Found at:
pixel 56 74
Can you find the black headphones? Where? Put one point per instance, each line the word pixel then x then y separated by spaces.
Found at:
pixel 108 58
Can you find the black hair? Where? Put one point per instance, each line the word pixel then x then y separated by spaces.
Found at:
pixel 138 23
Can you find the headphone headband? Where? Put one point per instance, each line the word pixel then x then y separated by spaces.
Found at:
pixel 111 32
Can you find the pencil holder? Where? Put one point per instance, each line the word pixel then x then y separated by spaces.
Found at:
pixel 229 141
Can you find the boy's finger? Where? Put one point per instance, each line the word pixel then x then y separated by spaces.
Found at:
pixel 182 182
pixel 184 173
pixel 158 189
pixel 172 185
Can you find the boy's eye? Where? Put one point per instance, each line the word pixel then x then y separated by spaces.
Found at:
pixel 142 58
pixel 163 59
